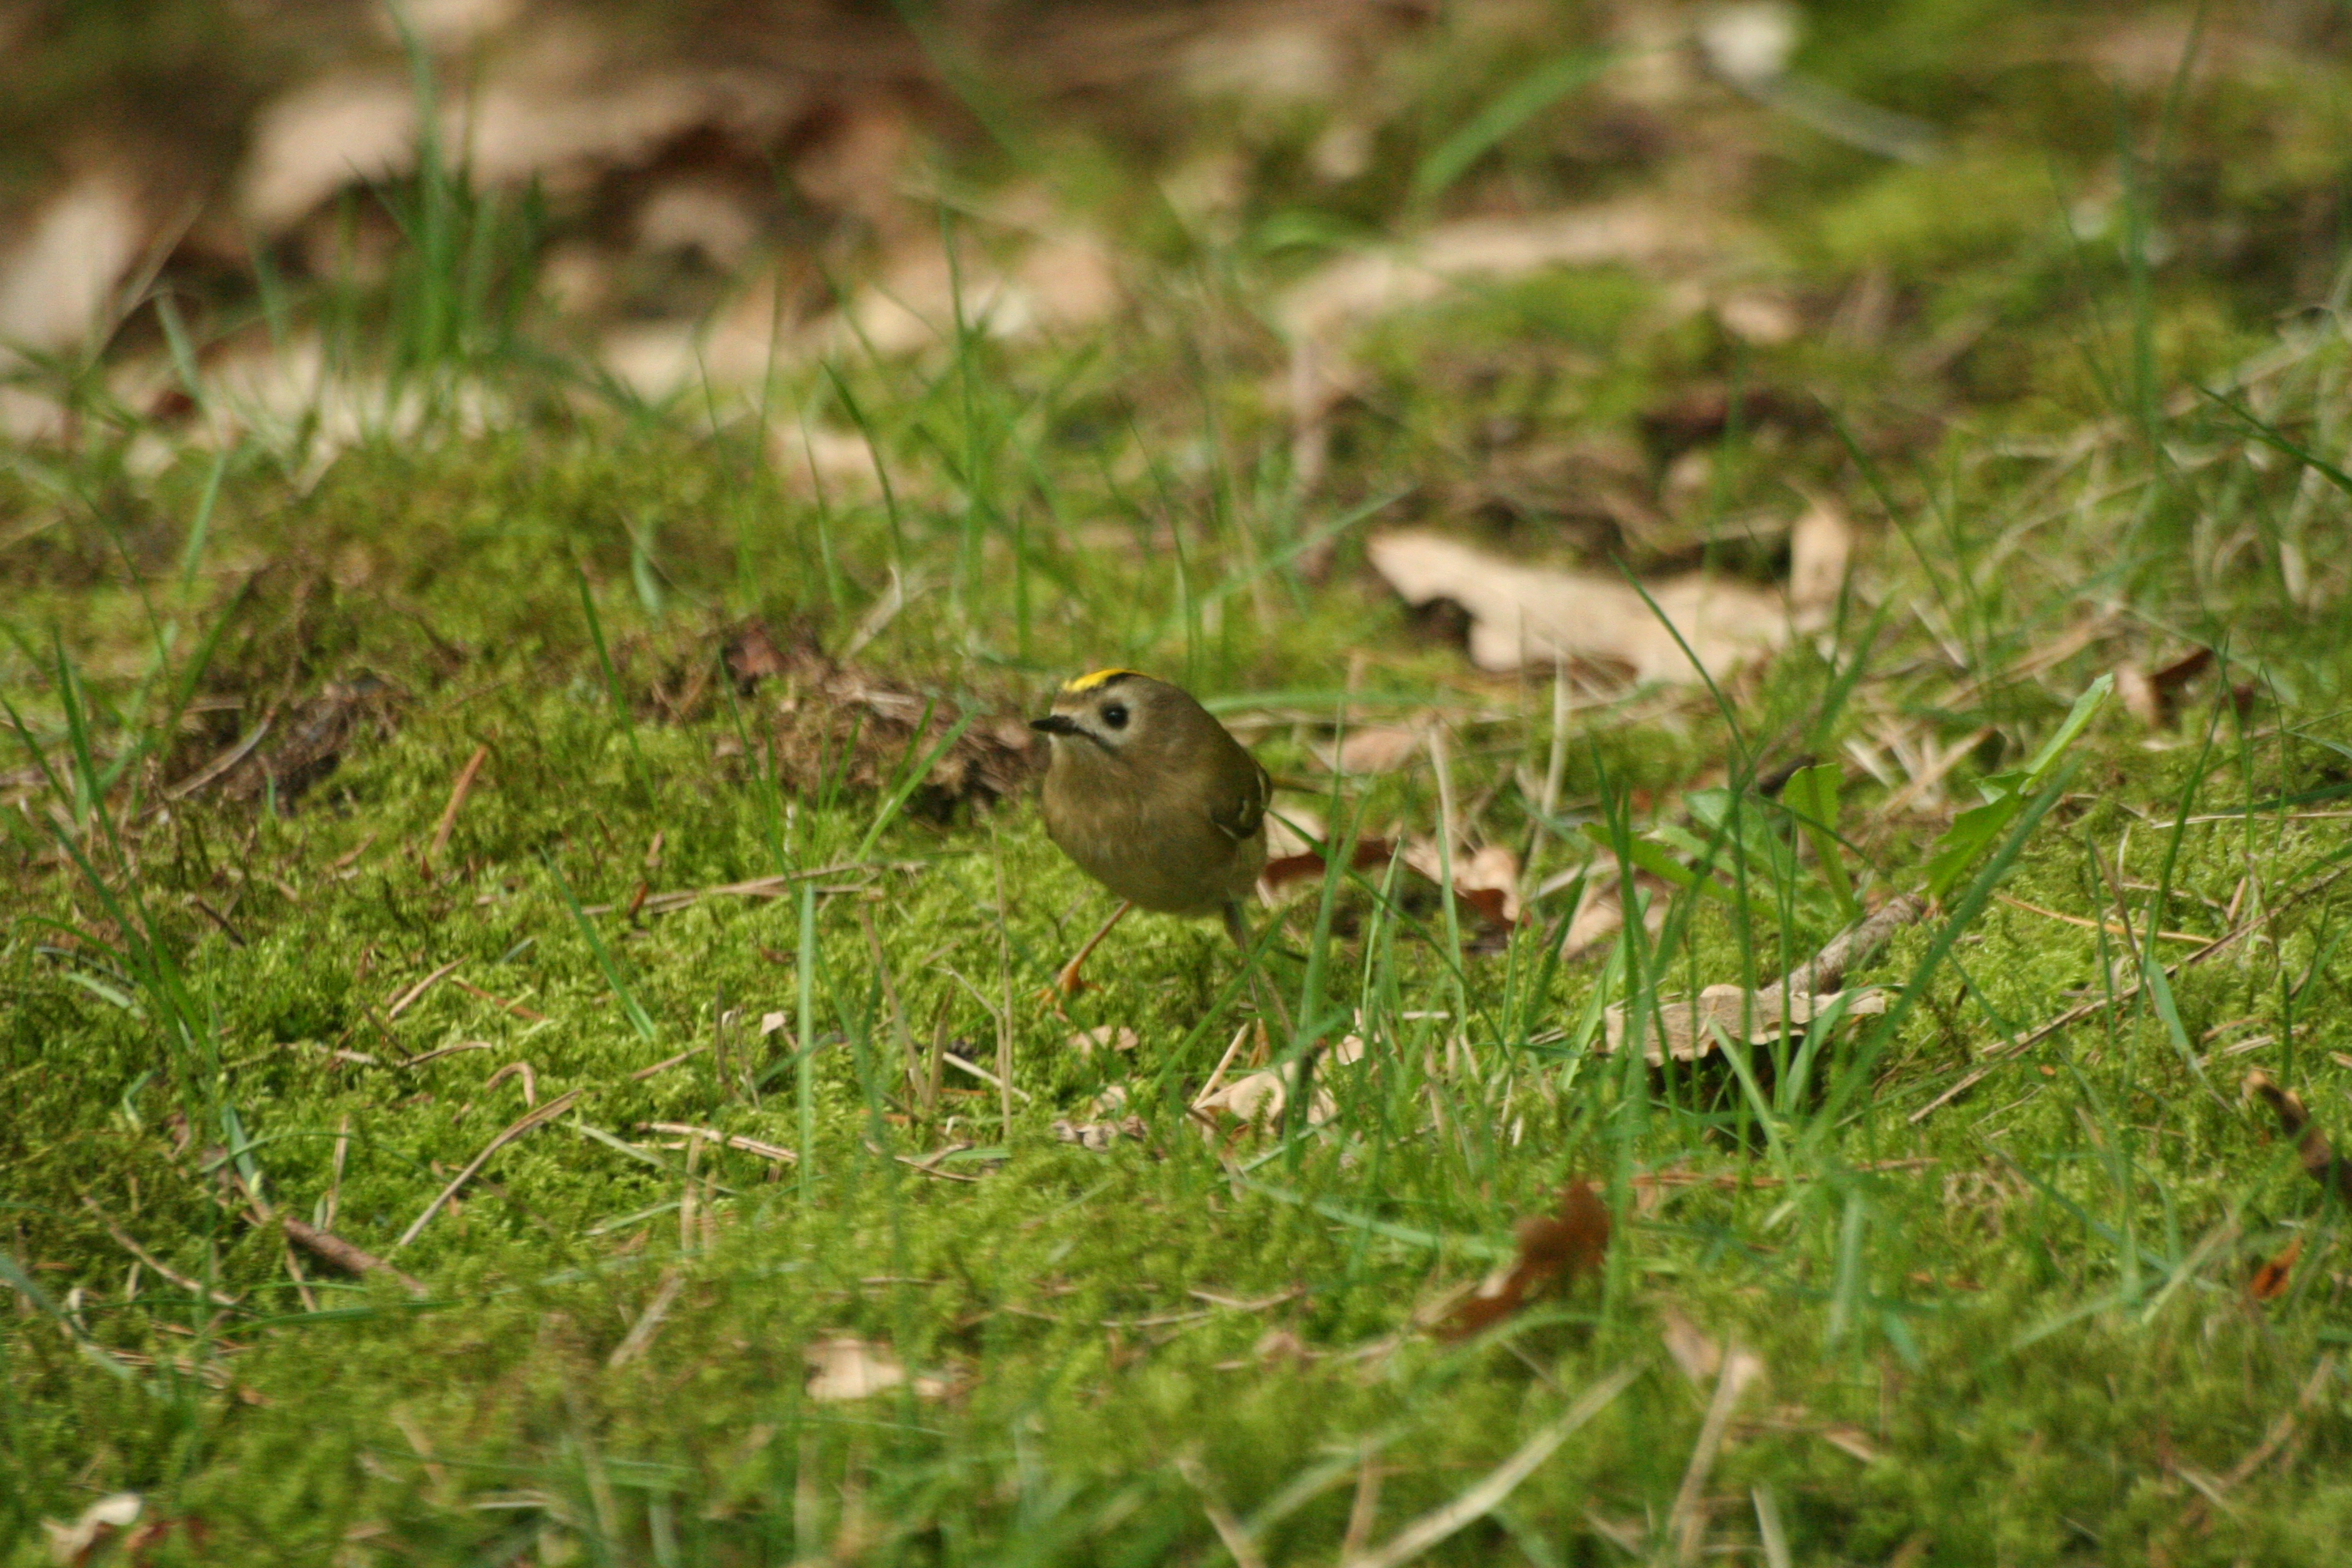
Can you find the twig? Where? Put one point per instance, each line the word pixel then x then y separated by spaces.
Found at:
pixel 352 1260
pixel 757 887
pixel 122 1239
pixel 1230 1531
pixel 517 1008
pixel 211 772
pixel 641 1333
pixel 1996 1055
pixel 458 793
pixel 2311 1145
pixel 544 1115
pixel 406 999
pixel 439 1051
pixel 985 1076
pixel 1854 945
pixel 775 1151
pixel 1437 1524
pixel 1689 1521
pixel 687 1055
pixel 2110 927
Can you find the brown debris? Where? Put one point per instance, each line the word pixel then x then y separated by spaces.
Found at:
pixel 840 725
pixel 308 744
pixel 352 1260
pixel 2270 1281
pixel 2318 1156
pixel 1676 630
pixel 1485 880
pixel 1554 1249
pixel 1688 1030
pixel 2152 697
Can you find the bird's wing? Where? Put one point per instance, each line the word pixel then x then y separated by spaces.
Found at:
pixel 1241 815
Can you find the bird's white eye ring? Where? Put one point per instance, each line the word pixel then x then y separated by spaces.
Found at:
pixel 1114 715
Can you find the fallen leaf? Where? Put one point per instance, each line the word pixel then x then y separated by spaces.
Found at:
pixel 841 726
pixel 1086 1042
pixel 1523 615
pixel 1259 1098
pixel 77 1543
pixel 307 744
pixel 1554 1250
pixel 1600 912
pixel 58 281
pixel 1690 1029
pixel 844 1369
pixel 2312 1147
pixel 1487 879
pixel 1373 283
pixel 1376 749
pixel 1097 1136
pixel 2270 1281
pixel 1699 1356
pixel 2152 697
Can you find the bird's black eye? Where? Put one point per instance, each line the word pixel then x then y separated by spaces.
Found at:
pixel 1114 715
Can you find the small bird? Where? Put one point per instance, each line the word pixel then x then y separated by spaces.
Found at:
pixel 1154 799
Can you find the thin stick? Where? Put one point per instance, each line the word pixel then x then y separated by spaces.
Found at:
pixel 1689 1521
pixel 1229 1530
pixel 641 1333
pixel 344 1255
pixel 1999 1054
pixel 335 1185
pixel 687 1055
pixel 766 1150
pixel 1474 1504
pixel 986 1077
pixel 301 1283
pixel 406 999
pixel 1555 766
pixel 122 1239
pixel 458 793
pixel 544 1115
pixel 517 1008
pixel 2110 927
pixel 1223 1062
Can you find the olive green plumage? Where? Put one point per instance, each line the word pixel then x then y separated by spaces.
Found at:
pixel 1152 797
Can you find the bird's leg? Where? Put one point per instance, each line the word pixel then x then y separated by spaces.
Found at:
pixel 1068 983
pixel 1237 928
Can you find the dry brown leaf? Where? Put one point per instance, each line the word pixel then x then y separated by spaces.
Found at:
pixel 1699 1356
pixel 1600 912
pixel 1375 748
pixel 843 1368
pixel 2152 695
pixel 1554 1250
pixel 1373 283
pixel 78 1543
pixel 305 745
pixel 1690 1029
pixel 57 280
pixel 1097 1136
pixel 1107 1038
pixel 1485 880
pixel 1259 1098
pixel 840 725
pixel 2270 1281
pixel 1522 615
pixel 2312 1147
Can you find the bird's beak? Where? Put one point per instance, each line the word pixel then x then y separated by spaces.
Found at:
pixel 1056 724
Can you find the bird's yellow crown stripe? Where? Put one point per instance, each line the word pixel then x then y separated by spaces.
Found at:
pixel 1087 682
